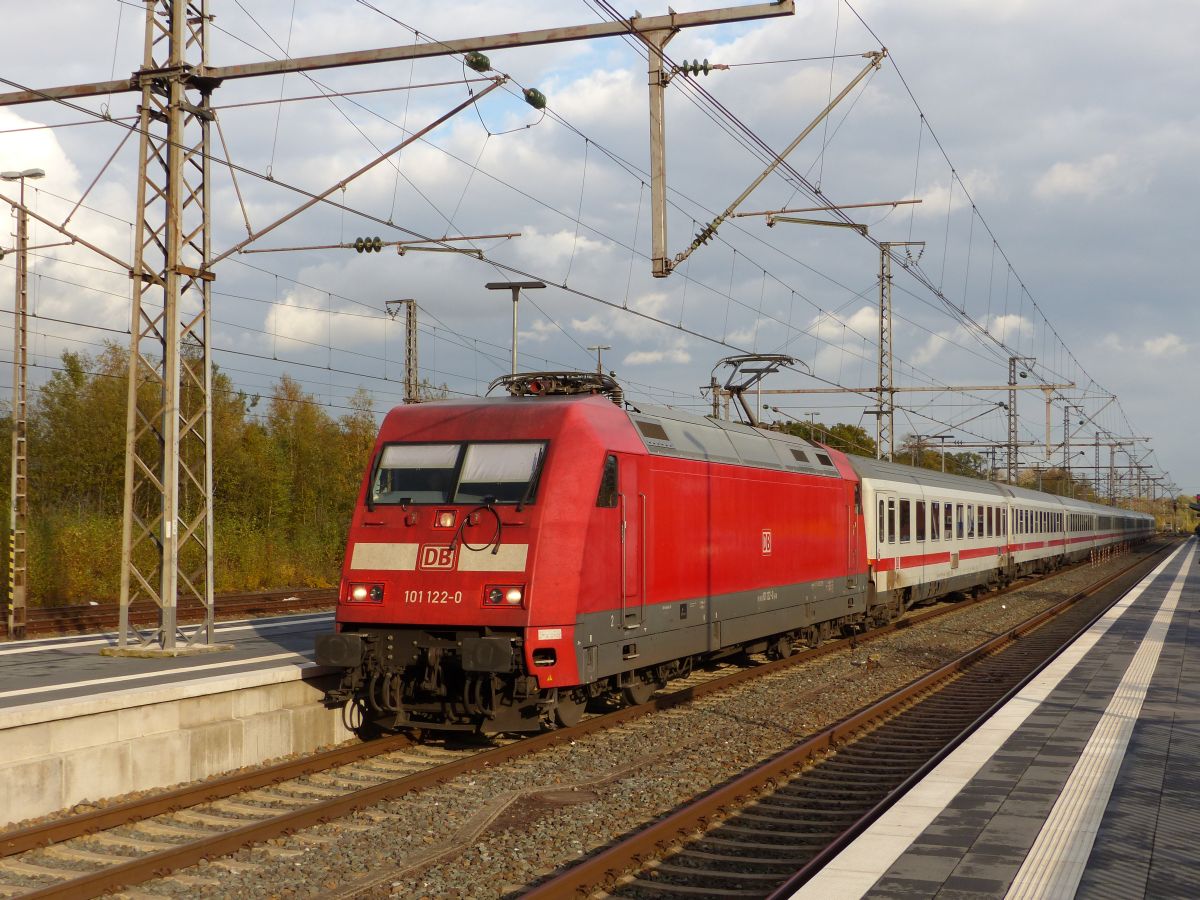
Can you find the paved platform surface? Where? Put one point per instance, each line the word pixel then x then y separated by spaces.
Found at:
pixel 1086 784
pixel 65 672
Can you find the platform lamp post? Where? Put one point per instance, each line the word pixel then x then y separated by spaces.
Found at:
pixel 599 363
pixel 515 287
pixel 18 496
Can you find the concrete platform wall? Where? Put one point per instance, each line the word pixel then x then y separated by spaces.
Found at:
pixel 54 756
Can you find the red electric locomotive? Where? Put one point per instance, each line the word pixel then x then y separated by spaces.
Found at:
pixel 511 559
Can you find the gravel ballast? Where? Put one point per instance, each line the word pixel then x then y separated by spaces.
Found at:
pixel 490 834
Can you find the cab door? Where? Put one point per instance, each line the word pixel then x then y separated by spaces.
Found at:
pixel 853 562
pixel 632 504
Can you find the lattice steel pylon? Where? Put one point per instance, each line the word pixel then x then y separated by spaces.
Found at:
pixel 167 539
pixel 885 417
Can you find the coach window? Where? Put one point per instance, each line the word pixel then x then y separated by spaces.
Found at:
pixel 880 529
pixel 920 520
pixel 990 522
pixel 979 520
pixel 935 521
pixel 607 498
pixel 891 520
pixel 948 521
pixel 905 521
pixel 970 520
pixel 958 517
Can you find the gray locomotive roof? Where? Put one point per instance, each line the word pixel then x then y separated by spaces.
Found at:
pixel 690 436
pixel 715 440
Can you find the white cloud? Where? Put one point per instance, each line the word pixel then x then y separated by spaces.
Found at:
pixel 617 322
pixel 676 352
pixel 1169 344
pixel 540 332
pixel 948 193
pixel 1011 329
pixel 1166 345
pixel 298 323
pixel 1088 178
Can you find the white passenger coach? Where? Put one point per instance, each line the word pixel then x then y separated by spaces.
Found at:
pixel 929 533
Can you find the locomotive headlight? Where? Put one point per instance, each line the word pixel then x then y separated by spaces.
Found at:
pixel 509 595
pixel 444 518
pixel 365 593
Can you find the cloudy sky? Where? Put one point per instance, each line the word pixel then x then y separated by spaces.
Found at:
pixel 1052 145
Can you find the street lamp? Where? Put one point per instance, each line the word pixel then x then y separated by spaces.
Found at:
pixel 515 287
pixel 18 510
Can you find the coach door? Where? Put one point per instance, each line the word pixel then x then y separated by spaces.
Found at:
pixel 633 550
pixel 885 537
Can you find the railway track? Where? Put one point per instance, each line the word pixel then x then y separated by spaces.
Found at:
pixel 767 831
pixel 132 842
pixel 46 621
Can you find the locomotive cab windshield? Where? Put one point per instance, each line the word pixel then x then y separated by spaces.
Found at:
pixel 458 473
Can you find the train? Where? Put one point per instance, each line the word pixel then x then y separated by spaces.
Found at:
pixel 513 559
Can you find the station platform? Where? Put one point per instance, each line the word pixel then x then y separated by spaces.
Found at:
pixel 77 726
pixel 1085 784
pixel 40 676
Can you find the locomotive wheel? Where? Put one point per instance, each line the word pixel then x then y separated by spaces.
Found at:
pixel 639 692
pixel 569 708
pixel 781 648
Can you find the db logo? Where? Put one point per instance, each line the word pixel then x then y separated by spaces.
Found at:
pixel 437 556
pixel 766 541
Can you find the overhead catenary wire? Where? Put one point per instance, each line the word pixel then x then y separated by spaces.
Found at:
pixel 763 270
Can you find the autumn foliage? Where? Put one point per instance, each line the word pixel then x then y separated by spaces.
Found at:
pixel 285 476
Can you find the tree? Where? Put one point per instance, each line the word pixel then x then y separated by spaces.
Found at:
pixel 847 438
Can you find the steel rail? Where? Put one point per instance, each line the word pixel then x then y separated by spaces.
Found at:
pixel 47 833
pixel 854 830
pixel 163 862
pixel 645 844
pixel 52 620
